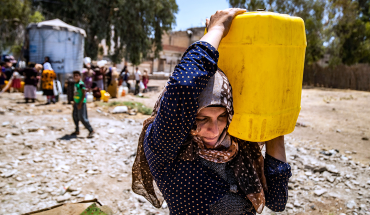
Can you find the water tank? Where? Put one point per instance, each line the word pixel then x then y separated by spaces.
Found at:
pixel 62 43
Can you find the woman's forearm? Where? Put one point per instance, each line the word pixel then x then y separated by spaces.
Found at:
pixel 213 37
pixel 276 148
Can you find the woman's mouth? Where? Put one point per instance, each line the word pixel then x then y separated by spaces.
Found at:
pixel 209 139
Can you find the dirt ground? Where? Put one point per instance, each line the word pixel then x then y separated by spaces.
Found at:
pixel 38 157
pixel 338 119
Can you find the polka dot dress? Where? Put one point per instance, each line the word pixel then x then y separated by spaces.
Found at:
pixel 188 186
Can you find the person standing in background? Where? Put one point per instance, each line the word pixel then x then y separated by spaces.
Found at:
pixel 79 106
pixel 8 71
pixel 2 75
pixel 137 79
pixel 113 85
pixel 47 78
pixel 70 88
pixel 30 82
pixel 99 77
pixel 121 75
pixel 145 80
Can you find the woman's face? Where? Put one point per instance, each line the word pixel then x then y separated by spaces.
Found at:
pixel 211 121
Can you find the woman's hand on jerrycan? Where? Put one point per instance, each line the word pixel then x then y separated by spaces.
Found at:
pixel 219 24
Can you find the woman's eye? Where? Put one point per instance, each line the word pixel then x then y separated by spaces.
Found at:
pixel 200 119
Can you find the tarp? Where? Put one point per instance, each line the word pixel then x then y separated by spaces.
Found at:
pixel 58 24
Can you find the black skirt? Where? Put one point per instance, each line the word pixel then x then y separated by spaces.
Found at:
pixel 48 92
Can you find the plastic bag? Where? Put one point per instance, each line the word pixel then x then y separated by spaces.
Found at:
pixel 141 85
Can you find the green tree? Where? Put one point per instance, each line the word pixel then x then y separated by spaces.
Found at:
pixel 349 31
pixel 311 11
pixel 135 27
pixel 15 15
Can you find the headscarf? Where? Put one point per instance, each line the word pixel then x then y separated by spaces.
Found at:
pixel 47 66
pixel 245 157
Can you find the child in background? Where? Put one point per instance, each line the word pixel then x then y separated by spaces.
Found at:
pixel 79 106
pixel 16 83
pixel 145 80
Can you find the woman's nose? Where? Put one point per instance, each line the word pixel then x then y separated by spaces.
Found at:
pixel 213 127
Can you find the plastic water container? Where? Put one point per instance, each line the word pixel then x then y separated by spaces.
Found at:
pixel 63 98
pixel 102 93
pixel 40 97
pixel 126 90
pixel 89 97
pixel 263 58
pixel 106 97
pixel 120 90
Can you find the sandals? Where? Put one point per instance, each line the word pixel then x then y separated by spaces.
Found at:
pixel 75 133
pixel 91 134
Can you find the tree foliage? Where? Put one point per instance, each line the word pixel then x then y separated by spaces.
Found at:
pixel 311 11
pixel 349 31
pixel 134 27
pixel 15 15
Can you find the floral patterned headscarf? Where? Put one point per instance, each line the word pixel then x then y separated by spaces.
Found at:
pixel 245 157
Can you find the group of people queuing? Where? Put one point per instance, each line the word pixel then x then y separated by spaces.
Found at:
pixel 43 77
pixel 36 76
pixel 98 78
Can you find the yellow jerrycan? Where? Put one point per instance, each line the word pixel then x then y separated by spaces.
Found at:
pixel 263 58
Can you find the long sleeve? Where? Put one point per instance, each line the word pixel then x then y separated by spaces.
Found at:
pixel 277 175
pixel 179 106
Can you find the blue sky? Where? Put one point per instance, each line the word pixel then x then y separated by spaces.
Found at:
pixel 193 13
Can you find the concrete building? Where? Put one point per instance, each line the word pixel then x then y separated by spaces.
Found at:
pixel 174 45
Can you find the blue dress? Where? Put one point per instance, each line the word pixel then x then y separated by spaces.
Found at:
pixel 189 186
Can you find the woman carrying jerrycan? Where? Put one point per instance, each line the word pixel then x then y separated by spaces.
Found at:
pixel 185 148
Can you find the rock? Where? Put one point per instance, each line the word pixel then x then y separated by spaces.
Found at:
pixel 363 207
pixel 9 173
pixel 296 204
pixel 75 193
pixel 72 189
pixel 120 109
pixel 44 196
pixel 28 144
pixel 320 169
pixel 321 191
pixel 349 185
pixel 5 124
pixel 37 160
pixel 313 207
pixel 35 201
pixel 351 204
pixel 16 133
pixel 33 129
pixel 111 131
pixel 365 138
pixel 368 182
pixel 18 179
pixel 89 197
pixel 330 179
pixel 289 205
pixel 2 184
pixel 334 195
pixel 63 198
pixel 355 182
pixel 22 158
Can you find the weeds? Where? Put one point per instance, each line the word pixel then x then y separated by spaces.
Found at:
pixel 131 105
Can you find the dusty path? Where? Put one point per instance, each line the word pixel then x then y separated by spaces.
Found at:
pixel 38 158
